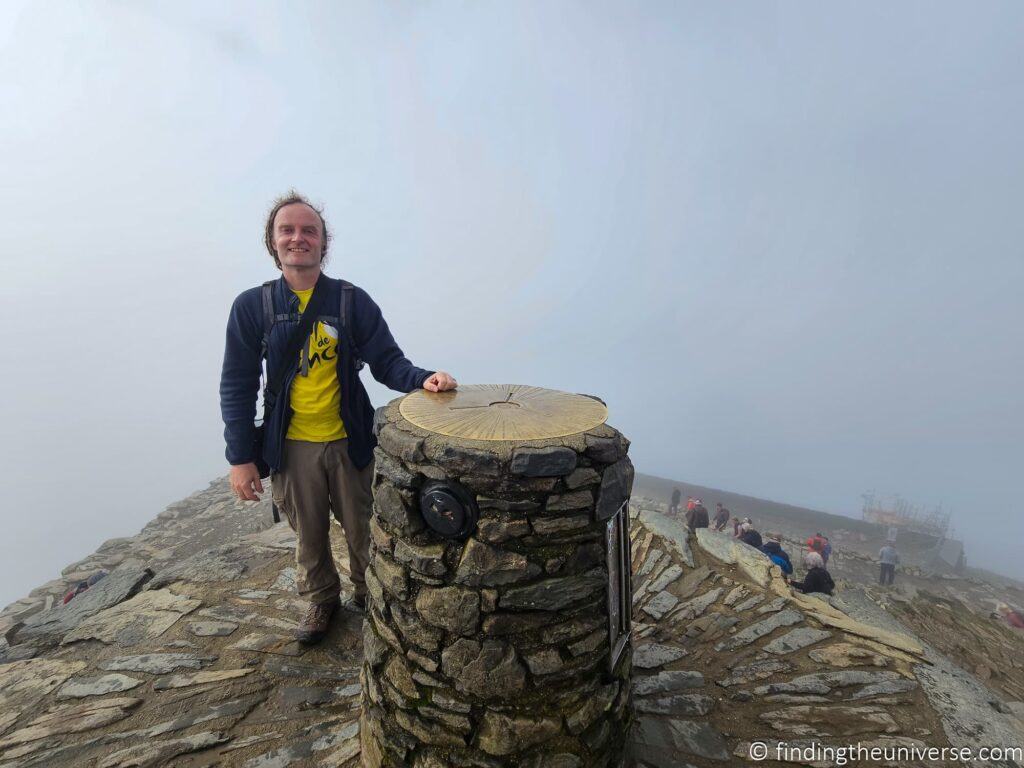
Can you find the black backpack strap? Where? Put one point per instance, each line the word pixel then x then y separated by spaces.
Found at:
pixel 346 326
pixel 268 315
pixel 296 342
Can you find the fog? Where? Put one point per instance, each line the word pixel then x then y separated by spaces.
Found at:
pixel 783 241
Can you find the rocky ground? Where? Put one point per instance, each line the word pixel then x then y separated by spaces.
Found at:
pixel 183 655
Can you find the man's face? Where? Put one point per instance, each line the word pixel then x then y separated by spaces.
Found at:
pixel 298 238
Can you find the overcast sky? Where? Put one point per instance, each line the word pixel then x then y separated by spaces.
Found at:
pixel 783 241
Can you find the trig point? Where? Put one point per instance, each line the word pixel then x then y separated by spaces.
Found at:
pixel 498 623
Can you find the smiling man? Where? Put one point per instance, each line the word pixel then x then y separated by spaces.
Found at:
pixel 318 439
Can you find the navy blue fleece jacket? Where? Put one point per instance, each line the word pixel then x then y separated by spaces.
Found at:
pixel 240 375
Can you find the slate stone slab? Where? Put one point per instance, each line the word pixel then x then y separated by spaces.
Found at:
pixel 487 670
pixel 673 531
pixel 653 655
pixel 223 563
pixel 885 688
pixel 553 594
pixel 552 461
pixel 145 616
pixel 760 629
pixel 486 566
pixel 211 628
pixel 234 708
pixel 79 688
pixel 660 604
pixel 658 742
pixel 667 576
pixel 50 626
pixel 198 678
pixel 796 640
pixel 667 682
pixel 683 704
pixel 281 645
pixel 155 663
pixel 757 670
pixel 72 719
pixel 158 752
pixel 300 669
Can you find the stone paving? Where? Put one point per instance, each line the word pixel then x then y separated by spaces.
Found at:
pixel 185 658
pixel 740 658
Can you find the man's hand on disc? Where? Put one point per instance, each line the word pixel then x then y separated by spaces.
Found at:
pixel 440 382
pixel 245 482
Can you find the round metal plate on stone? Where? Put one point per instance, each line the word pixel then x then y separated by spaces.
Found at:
pixel 448 509
pixel 503 412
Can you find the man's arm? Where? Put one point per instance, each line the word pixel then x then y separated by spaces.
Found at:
pixel 381 352
pixel 239 386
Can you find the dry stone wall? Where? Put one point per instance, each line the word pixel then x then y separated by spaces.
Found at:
pixel 494 651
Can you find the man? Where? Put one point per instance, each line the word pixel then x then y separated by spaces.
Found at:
pixel 816 543
pixel 888 559
pixel 318 438
pixel 750 535
pixel 826 551
pixel 673 507
pixel 721 517
pixel 697 517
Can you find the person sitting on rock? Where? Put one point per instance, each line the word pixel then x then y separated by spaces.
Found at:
pixel 817 579
pixel 749 535
pixel 773 548
pixel 697 517
pixel 721 517
pixel 1010 616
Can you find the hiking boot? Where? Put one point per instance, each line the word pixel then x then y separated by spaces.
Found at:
pixel 316 622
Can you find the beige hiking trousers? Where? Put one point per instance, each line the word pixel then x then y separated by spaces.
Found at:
pixel 315 481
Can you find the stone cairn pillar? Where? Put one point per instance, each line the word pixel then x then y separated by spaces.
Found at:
pixel 509 645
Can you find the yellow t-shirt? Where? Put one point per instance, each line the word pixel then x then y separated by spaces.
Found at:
pixel 315 396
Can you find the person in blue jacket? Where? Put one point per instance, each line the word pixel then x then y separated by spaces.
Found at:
pixel 777 554
pixel 318 435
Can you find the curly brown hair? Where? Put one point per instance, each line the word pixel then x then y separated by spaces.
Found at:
pixel 292 197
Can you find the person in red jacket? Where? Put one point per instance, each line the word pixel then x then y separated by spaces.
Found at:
pixel 1010 616
pixel 816 543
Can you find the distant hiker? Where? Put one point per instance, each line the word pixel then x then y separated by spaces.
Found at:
pixel 697 517
pixel 816 543
pixel 826 551
pixel 317 438
pixel 817 579
pixel 749 535
pixel 721 517
pixel 1010 616
pixel 81 586
pixel 773 548
pixel 888 559
pixel 673 508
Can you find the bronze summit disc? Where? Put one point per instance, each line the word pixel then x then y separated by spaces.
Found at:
pixel 512 412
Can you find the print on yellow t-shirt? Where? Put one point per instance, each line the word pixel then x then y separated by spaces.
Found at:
pixel 316 394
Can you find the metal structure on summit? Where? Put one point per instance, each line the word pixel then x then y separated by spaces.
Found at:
pixel 896 512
